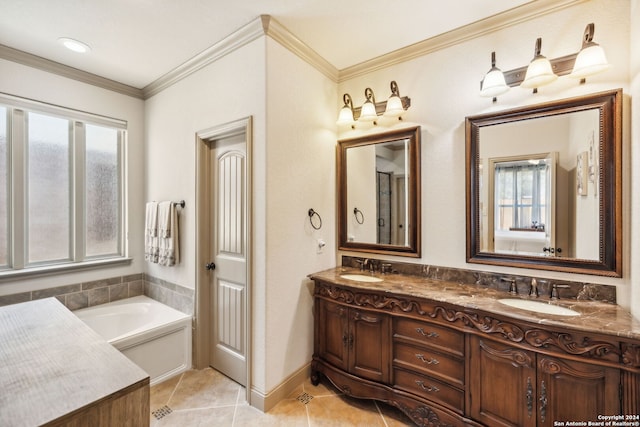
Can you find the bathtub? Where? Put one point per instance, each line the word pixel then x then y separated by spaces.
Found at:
pixel 152 335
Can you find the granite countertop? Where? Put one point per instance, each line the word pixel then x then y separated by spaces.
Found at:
pixel 52 364
pixel 595 317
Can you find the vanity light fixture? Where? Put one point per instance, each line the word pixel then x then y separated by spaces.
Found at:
pixel 591 58
pixel 368 111
pixel 74 45
pixel 541 71
pixel 395 106
pixel 346 112
pixel 493 83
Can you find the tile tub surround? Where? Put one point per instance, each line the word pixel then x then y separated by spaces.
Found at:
pixel 576 290
pixel 595 316
pixel 175 296
pixel 86 294
pixel 96 292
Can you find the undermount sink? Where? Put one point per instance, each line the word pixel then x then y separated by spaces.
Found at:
pixel 538 307
pixel 361 278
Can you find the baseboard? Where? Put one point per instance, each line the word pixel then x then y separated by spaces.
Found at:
pixel 265 402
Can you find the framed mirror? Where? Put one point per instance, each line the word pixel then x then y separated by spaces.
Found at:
pixel 379 193
pixel 544 186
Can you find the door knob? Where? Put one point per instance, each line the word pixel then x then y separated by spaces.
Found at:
pixel 210 266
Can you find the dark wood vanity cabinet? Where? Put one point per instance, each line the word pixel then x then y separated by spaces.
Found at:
pixel 354 340
pixel 519 388
pixel 446 365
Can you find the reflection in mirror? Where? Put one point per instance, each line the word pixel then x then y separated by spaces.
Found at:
pixel 538 192
pixel 378 191
pixel 536 200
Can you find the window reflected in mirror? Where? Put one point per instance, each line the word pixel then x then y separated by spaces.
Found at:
pixel 543 185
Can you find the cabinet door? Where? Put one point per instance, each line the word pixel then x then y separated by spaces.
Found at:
pixel 333 333
pixel 369 345
pixel 502 384
pixel 575 391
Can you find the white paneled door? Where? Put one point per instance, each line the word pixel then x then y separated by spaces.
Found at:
pixel 229 244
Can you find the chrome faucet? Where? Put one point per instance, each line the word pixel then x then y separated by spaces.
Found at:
pixel 513 289
pixel 554 290
pixel 533 290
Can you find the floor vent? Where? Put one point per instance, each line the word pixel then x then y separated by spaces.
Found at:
pixel 161 412
pixel 304 398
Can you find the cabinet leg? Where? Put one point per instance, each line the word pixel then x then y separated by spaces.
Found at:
pixel 315 378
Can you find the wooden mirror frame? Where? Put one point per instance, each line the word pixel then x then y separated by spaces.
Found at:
pixel 609 105
pixel 413 248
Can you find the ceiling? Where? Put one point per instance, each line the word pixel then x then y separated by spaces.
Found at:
pixel 135 42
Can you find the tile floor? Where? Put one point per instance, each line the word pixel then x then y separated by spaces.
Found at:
pixel 208 398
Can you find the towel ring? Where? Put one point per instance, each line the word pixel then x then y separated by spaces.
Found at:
pixel 359 219
pixel 313 213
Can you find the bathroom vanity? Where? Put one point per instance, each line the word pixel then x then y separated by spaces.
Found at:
pixel 450 354
pixel 56 371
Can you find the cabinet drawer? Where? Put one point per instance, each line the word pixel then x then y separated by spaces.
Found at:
pixel 433 335
pixel 429 362
pixel 430 388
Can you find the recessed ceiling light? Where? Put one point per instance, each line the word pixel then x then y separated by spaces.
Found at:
pixel 74 45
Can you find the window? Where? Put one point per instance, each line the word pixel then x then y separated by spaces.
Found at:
pixel 61 186
pixel 520 195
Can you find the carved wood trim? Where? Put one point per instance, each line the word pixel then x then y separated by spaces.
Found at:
pixel 485 324
pixel 555 366
pixel 631 355
pixel 566 342
pixel 517 357
pixel 422 415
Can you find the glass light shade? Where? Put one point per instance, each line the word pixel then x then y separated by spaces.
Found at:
pixel 345 117
pixel 493 84
pixel 368 112
pixel 590 60
pixel 394 106
pixel 539 73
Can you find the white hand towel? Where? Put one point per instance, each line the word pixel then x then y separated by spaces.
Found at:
pixel 164 219
pixel 151 232
pixel 168 230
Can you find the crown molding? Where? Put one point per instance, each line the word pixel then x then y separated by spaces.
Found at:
pixel 53 67
pixel 232 42
pixel 267 25
pixel 471 31
pixel 263 25
pixel 286 38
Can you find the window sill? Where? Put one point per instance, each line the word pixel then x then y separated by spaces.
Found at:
pixel 61 268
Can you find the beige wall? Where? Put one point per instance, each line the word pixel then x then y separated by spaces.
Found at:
pixel 300 174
